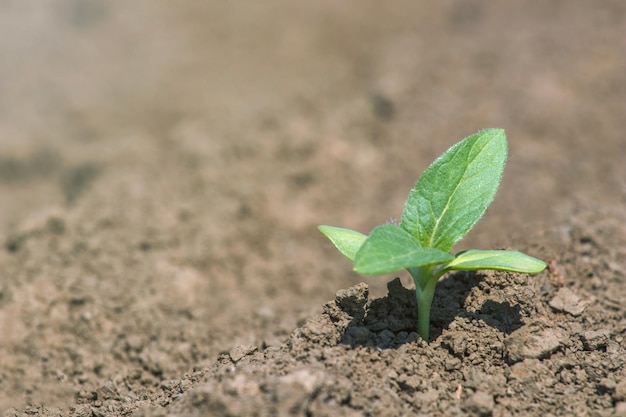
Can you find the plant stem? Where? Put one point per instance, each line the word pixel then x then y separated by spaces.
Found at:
pixel 425 283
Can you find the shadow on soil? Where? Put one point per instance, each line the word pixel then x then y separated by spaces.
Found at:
pixel 391 321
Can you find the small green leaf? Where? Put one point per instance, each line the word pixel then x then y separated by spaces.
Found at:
pixel 500 260
pixel 454 192
pixel 347 241
pixel 389 248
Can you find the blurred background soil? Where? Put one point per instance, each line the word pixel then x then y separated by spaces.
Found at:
pixel 164 165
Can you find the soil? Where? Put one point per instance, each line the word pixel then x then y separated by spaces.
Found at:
pixel 163 168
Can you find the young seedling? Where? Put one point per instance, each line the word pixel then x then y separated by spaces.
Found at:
pixel 446 202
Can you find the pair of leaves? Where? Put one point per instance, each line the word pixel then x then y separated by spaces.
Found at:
pixel 446 202
pixel 389 248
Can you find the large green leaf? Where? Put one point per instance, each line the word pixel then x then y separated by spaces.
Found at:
pixel 347 241
pixel 454 192
pixel 500 260
pixel 389 248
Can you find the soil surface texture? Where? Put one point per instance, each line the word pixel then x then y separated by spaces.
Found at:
pixel 164 165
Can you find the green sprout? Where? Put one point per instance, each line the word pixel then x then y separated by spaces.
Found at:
pixel 446 202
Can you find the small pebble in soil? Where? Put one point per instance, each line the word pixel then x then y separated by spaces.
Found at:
pixel 357 335
pixel 527 371
pixel 606 385
pixel 480 404
pixel 595 339
pixel 452 364
pixel 353 299
pixel 567 301
pixel 238 352
pixel 384 338
pixel 532 341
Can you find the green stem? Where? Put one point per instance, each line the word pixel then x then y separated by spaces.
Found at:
pixel 425 282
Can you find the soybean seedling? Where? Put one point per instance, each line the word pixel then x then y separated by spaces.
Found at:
pixel 446 202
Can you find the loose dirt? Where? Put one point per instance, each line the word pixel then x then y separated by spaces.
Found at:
pixel 163 169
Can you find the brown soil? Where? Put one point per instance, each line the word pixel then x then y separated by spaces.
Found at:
pixel 163 167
